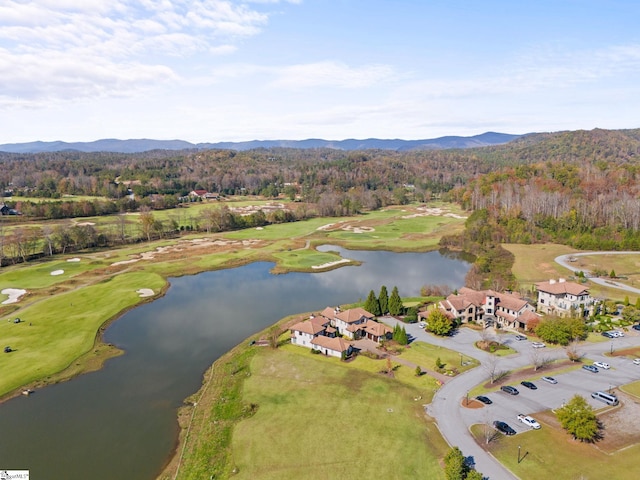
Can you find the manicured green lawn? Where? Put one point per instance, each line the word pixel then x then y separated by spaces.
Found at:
pixel 38 274
pixel 304 259
pixel 425 355
pixel 59 329
pixel 551 454
pixel 320 418
pixel 632 388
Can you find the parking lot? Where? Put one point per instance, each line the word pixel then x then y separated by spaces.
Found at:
pixel 549 396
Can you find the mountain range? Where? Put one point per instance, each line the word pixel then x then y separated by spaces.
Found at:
pixel 144 145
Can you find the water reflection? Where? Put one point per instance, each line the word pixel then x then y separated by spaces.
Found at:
pixel 120 422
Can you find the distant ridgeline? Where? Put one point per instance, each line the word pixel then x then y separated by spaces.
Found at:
pixel 144 145
pixel 579 188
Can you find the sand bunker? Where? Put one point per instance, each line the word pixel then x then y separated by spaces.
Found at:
pixel 432 212
pixel 349 228
pixel 331 264
pixel 85 224
pixel 57 272
pixel 145 292
pixel 14 295
pixel 328 226
pixel 76 259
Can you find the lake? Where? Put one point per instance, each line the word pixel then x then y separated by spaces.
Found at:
pixel 120 422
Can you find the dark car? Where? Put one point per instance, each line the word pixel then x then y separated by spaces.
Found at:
pixel 7 349
pixel 520 337
pixel 483 399
pixel 636 327
pixel 504 428
pixel 530 385
pixel 509 389
pixel 607 334
pixel 591 368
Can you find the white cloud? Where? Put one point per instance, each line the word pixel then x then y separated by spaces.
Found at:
pixel 52 50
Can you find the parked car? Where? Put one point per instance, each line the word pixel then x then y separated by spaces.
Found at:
pixel 602 365
pixel 520 337
pixel 529 421
pixel 550 380
pixel 591 368
pixel 608 334
pixel 530 385
pixel 636 361
pixel 636 327
pixel 504 428
pixel 7 349
pixel 509 389
pixel 483 399
pixel 538 345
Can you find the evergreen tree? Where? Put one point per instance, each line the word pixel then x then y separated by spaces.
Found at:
pixel 402 339
pixel 395 302
pixel 383 300
pixel 371 305
pixel 638 303
pixel 626 300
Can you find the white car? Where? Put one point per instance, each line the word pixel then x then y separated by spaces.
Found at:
pixel 538 345
pixel 422 324
pixel 602 365
pixel 529 421
pixel 551 379
pixel 636 361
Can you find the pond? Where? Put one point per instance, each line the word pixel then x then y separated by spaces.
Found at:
pixel 120 422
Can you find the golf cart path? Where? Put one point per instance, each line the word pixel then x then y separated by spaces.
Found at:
pixel 563 260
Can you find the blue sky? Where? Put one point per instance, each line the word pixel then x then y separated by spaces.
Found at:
pixel 232 70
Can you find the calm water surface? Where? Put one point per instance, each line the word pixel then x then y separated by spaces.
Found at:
pixel 120 422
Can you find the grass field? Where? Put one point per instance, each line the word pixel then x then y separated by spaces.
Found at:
pixel 325 419
pixel 425 355
pixel 58 329
pixel 632 388
pixel 542 461
pixel 535 263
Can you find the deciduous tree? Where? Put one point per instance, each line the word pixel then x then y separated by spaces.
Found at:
pixel 438 322
pixel 578 418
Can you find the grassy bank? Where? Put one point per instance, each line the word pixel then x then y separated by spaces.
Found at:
pixel 285 413
pixel 542 462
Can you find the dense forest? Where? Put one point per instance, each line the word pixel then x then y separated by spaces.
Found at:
pixel 580 188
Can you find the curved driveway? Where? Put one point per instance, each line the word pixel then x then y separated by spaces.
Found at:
pixel 564 261
pixel 453 420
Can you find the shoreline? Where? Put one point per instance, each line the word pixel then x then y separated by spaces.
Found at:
pixel 86 363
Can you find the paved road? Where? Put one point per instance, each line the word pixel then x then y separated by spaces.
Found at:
pixel 454 421
pixel 564 261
